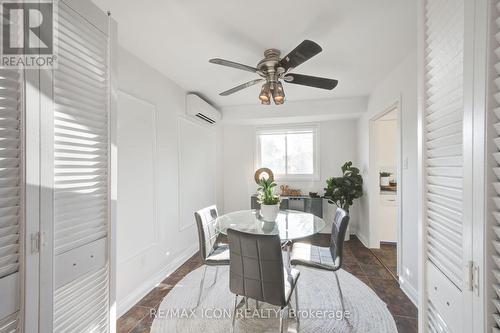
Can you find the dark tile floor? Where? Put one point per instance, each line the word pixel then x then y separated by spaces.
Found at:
pixel 388 256
pixel 359 261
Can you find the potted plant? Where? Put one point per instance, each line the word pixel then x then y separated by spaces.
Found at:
pixel 385 178
pixel 343 190
pixel 269 201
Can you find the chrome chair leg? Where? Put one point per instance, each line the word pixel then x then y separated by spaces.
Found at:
pixel 340 293
pixel 296 291
pixel 201 286
pixel 215 278
pixel 286 246
pixel 234 312
pixel 281 320
pixel 289 263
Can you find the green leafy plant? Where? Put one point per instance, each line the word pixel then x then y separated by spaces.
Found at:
pixel 266 195
pixel 385 174
pixel 343 190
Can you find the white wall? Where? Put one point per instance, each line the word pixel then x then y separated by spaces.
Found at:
pixel 295 111
pixel 400 84
pixel 149 246
pixel 338 144
pixel 197 185
pixel 386 144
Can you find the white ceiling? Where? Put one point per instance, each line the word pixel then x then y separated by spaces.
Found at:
pixel 362 41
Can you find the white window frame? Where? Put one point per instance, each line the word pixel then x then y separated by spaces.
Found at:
pixel 284 129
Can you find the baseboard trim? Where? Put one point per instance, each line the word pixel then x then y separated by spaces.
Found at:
pixel 409 290
pixel 137 294
pixel 362 239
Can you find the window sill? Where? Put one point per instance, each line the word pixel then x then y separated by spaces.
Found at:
pixel 288 178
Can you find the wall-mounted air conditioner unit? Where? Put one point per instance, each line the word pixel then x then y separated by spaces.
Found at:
pixel 197 107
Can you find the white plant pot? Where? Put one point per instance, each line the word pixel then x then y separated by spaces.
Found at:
pixel 269 213
pixel 384 181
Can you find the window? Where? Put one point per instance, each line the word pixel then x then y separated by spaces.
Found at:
pixel 291 153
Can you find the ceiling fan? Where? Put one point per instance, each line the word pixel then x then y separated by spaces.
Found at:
pixel 272 69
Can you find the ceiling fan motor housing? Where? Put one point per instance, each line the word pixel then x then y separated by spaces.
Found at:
pixel 269 67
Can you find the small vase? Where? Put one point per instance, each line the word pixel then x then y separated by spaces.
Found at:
pixel 384 181
pixel 269 213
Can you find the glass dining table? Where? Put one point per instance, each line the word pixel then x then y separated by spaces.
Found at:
pixel 290 224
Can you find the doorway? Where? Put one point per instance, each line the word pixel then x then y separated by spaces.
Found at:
pixel 385 187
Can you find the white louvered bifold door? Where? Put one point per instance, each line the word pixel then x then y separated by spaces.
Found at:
pixel 11 190
pixel 444 162
pixel 80 164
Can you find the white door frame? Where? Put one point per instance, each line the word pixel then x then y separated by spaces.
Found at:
pixel 113 168
pixel 479 21
pixel 482 320
pixel 373 185
pixel 422 248
pixel 31 276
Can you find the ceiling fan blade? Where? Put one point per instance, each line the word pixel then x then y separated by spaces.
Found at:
pixel 240 87
pixel 311 81
pixel 303 52
pixel 232 64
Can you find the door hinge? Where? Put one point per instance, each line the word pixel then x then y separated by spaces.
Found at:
pixel 37 241
pixel 473 277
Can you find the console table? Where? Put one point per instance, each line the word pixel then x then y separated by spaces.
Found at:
pixel 300 203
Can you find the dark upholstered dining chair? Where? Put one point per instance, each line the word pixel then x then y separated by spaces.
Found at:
pixel 323 257
pixel 211 252
pixel 256 271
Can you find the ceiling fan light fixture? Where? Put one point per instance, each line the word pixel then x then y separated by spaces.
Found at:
pixel 265 94
pixel 278 93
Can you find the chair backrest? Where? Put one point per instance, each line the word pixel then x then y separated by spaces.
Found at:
pixel 207 232
pixel 339 228
pixel 256 267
